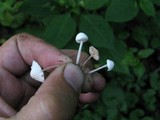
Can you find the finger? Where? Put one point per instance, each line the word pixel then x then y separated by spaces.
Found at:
pixel 88 98
pixel 98 83
pixel 32 82
pixel 93 82
pixel 57 97
pixel 15 93
pixel 5 109
pixel 11 90
pixel 20 50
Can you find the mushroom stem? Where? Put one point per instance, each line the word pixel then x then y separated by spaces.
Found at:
pixel 109 64
pixel 79 52
pixel 92 71
pixel 87 60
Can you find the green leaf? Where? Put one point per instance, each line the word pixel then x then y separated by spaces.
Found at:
pixel 149 95
pixel 155 43
pixel 116 54
pixel 157 2
pixel 130 59
pixel 93 5
pixel 147 118
pixel 139 70
pixel 145 53
pixel 140 35
pixel 98 30
pixel 35 8
pixel 112 114
pixel 113 96
pixel 60 30
pixel 155 81
pixel 2 41
pixel 123 35
pixel 131 99
pixel 148 7
pixel 136 114
pixel 121 10
pixel 150 99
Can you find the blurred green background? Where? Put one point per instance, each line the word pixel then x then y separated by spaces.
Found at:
pixel 126 31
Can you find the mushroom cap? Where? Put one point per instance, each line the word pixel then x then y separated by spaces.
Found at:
pixel 81 37
pixel 37 72
pixel 94 52
pixel 110 64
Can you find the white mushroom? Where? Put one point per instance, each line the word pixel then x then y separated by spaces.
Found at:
pixel 93 54
pixel 80 38
pixel 109 64
pixel 37 72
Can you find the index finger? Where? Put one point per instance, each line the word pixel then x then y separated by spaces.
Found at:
pixel 20 50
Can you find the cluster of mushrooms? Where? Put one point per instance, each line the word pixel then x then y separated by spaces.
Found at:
pixel 37 73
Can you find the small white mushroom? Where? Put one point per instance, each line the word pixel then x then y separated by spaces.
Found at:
pixel 37 72
pixel 93 54
pixel 80 38
pixel 109 64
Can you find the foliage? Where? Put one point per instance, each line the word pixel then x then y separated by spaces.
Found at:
pixel 126 31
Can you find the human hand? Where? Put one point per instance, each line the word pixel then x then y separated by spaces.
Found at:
pixel 57 98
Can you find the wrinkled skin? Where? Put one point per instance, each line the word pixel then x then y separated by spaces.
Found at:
pixel 17 88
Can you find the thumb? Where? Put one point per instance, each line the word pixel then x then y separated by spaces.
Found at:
pixel 57 97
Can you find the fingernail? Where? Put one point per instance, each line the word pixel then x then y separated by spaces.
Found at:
pixel 74 76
